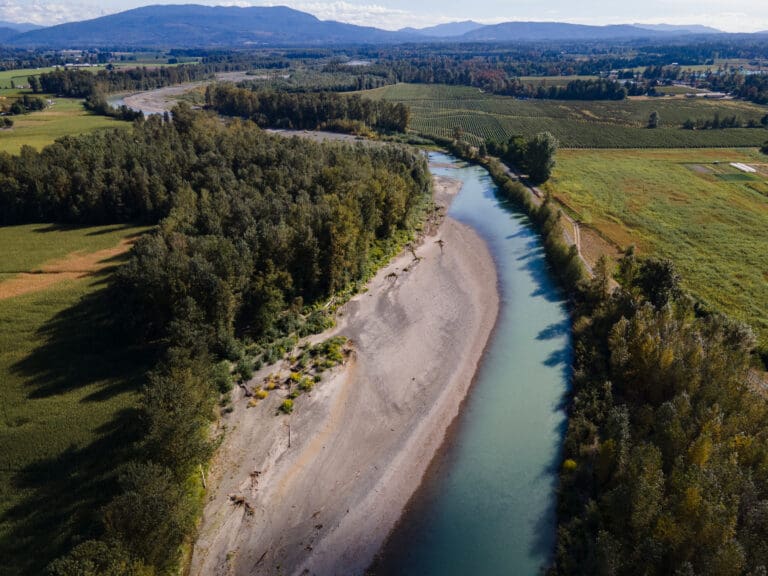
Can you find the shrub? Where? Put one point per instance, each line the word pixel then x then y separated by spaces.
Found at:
pixel 244 369
pixel 570 466
pixel 306 384
pixel 222 380
pixel 287 406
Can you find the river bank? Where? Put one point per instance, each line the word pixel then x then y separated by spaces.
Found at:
pixel 163 100
pixel 361 442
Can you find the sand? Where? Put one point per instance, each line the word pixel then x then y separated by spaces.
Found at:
pixel 362 441
pixel 163 100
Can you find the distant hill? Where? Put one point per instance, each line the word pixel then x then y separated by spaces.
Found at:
pixel 534 31
pixel 684 29
pixel 192 25
pixel 446 30
pixel 19 26
pixel 7 34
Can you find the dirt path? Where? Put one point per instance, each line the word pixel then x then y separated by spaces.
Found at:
pixel 537 196
pixel 72 267
pixel 360 442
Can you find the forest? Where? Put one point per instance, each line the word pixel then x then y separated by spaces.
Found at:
pixel 252 228
pixel 307 111
pixel 665 457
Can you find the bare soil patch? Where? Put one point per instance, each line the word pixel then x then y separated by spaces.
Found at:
pixel 74 266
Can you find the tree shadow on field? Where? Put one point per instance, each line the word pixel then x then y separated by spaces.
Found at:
pixel 65 496
pixel 81 346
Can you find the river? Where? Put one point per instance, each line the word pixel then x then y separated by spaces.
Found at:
pixel 487 505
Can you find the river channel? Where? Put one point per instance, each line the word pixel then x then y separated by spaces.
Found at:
pixel 487 505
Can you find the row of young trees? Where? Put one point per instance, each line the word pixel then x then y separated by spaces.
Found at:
pixel 250 225
pixel 312 110
pixel 718 122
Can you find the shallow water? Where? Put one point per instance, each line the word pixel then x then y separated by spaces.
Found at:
pixel 487 506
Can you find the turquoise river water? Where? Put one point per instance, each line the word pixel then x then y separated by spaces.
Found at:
pixel 487 505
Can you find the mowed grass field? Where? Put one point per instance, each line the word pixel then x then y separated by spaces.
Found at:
pixel 687 205
pixel 436 110
pixel 67 387
pixel 66 117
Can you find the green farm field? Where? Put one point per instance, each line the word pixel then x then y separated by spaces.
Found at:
pixel 690 206
pixel 66 388
pixel 436 110
pixel 66 117
pixel 19 77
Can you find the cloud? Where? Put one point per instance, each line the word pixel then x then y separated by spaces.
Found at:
pixel 744 15
pixel 725 21
pixel 361 14
pixel 47 13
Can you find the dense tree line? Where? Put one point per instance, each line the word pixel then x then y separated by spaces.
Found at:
pixel 534 156
pixel 493 76
pixel 312 80
pixel 251 227
pixel 98 103
pixel 23 105
pixel 751 87
pixel 666 453
pixel 600 89
pixel 80 83
pixel 309 111
pixel 754 88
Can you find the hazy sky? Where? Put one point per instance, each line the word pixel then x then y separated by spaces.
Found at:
pixel 732 16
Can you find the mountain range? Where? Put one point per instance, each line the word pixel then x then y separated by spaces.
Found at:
pixel 19 26
pixel 450 30
pixel 185 26
pixel 685 29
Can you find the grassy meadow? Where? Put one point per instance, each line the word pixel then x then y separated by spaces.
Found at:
pixel 687 205
pixel 66 389
pixel 20 77
pixel 66 117
pixel 437 109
